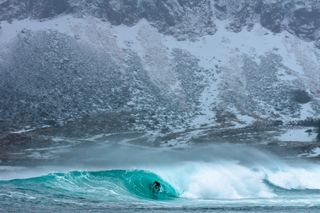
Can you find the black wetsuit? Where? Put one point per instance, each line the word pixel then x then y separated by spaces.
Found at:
pixel 156 186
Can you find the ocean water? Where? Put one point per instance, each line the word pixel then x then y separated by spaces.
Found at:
pixel 118 177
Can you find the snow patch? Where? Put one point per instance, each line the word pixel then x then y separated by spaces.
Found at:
pixel 314 153
pixel 306 111
pixel 297 135
pixel 299 58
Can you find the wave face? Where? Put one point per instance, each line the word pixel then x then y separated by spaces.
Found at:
pixel 98 185
pixel 189 182
pixel 209 177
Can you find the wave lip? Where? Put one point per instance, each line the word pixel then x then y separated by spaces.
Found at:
pixel 111 184
pixel 185 182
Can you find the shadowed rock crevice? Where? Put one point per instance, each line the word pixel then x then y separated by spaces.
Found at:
pixel 301 96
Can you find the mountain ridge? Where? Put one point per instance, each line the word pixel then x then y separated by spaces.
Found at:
pixel 65 67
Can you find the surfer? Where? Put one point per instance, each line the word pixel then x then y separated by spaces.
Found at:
pixel 156 187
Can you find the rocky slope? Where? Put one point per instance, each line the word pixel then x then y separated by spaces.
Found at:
pixel 159 64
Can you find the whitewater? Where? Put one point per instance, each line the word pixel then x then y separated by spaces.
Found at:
pixel 117 176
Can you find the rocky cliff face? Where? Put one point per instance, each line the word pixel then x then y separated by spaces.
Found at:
pixel 177 63
pixel 182 18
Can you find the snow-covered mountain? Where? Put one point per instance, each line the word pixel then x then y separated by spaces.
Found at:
pixel 159 64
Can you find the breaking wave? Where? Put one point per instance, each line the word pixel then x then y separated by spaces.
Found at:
pixel 188 181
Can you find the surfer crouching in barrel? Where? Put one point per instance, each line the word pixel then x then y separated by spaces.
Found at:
pixel 155 187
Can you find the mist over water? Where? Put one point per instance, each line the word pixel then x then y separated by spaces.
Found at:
pixel 159 106
pixel 200 175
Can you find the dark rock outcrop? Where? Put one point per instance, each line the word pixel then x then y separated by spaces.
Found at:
pixel 50 77
pixel 184 19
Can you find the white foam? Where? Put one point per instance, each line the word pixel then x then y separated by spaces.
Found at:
pixel 296 178
pixel 226 180
pixel 230 180
pixel 220 180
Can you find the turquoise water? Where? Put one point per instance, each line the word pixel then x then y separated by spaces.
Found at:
pixel 108 178
pixel 128 190
pixel 84 189
pixel 113 185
